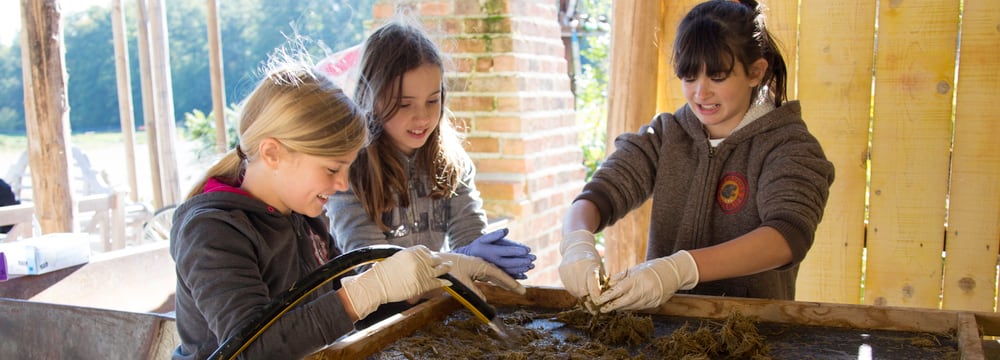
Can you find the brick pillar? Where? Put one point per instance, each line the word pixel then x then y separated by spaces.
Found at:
pixel 509 87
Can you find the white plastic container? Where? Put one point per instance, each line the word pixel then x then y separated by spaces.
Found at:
pixel 43 254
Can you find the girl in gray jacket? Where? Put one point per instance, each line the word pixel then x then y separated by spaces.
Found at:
pixel 738 184
pixel 254 226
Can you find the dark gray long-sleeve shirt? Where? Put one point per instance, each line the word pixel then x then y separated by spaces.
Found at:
pixel 440 224
pixel 234 254
pixel 771 172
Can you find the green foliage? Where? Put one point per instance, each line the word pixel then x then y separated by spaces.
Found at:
pixel 11 91
pixel 250 30
pixel 201 129
pixel 591 87
pixel 90 66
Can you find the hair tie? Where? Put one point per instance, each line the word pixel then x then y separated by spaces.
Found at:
pixel 239 152
pixel 751 4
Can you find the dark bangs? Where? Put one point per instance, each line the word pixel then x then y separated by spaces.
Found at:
pixel 702 42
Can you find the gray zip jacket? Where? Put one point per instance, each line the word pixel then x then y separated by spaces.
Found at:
pixel 772 172
pixel 234 254
pixel 439 224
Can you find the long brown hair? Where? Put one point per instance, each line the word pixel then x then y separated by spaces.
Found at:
pixel 298 106
pixel 379 176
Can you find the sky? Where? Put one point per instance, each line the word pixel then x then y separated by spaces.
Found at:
pixel 10 15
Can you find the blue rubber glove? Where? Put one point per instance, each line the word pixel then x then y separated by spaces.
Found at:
pixel 512 257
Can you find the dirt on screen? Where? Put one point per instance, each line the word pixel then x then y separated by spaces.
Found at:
pixel 532 333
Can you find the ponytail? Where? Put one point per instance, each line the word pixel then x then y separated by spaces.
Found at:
pixel 229 169
pixel 776 77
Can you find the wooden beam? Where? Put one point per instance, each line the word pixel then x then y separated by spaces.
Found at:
pixel 373 339
pixel 970 343
pixel 149 107
pixel 631 103
pixel 218 80
pixel 124 95
pixel 46 108
pixel 163 95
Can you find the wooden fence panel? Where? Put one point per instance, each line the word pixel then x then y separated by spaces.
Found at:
pixel 911 136
pixel 782 20
pixel 835 74
pixel 973 230
pixel 670 97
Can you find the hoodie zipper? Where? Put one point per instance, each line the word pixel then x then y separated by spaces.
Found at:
pixel 708 187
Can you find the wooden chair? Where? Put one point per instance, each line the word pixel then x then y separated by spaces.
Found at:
pixel 22 216
pixel 157 228
pixel 104 210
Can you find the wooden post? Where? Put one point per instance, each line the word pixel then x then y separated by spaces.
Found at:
pixel 631 103
pixel 164 97
pixel 124 95
pixel 218 81
pixel 669 96
pixel 149 110
pixel 46 111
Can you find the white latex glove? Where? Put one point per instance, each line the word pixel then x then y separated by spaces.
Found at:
pixel 469 269
pixel 404 275
pixel 649 284
pixel 581 269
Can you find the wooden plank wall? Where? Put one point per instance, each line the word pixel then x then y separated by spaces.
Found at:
pixel 836 96
pixel 914 77
pixel 883 87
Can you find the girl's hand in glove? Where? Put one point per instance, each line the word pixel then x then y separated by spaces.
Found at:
pixel 513 257
pixel 469 269
pixel 581 269
pixel 404 275
pixel 650 284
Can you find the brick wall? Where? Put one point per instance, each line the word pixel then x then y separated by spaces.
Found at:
pixel 508 86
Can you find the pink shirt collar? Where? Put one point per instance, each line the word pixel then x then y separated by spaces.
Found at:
pixel 215 185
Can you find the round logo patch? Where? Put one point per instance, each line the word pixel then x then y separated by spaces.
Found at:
pixel 733 192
